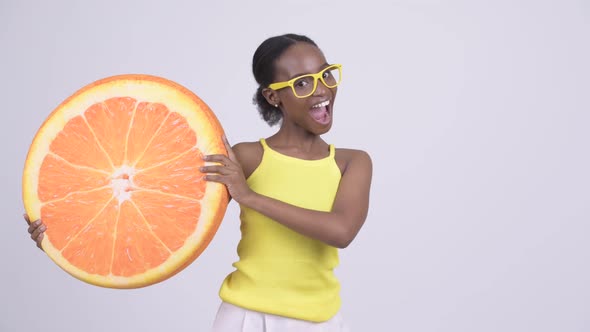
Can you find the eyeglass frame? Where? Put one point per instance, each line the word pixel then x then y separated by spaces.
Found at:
pixel 316 77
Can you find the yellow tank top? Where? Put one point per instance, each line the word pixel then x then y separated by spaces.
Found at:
pixel 280 271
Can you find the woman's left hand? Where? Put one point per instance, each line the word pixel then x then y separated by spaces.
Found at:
pixel 229 172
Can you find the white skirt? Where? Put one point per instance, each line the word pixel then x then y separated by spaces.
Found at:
pixel 231 318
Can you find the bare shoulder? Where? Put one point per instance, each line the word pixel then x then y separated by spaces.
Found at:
pixel 249 155
pixel 346 158
pixel 247 148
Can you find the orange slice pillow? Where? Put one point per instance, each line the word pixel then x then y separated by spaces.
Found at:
pixel 113 173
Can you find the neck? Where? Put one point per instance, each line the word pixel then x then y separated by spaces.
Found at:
pixel 295 138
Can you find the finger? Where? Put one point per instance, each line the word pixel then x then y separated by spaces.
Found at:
pixel 26 216
pixel 216 169
pixel 38 231
pixel 218 158
pixel 230 151
pixel 33 226
pixel 39 241
pixel 216 178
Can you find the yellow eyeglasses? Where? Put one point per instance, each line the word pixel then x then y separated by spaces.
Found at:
pixel 305 85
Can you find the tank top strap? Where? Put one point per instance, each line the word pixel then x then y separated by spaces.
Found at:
pixel 264 144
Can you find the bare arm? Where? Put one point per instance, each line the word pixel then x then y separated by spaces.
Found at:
pixel 337 228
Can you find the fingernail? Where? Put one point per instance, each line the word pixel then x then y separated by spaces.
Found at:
pixel 202 168
pixel 38 221
pixel 205 157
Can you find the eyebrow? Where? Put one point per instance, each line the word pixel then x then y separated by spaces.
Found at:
pixel 303 74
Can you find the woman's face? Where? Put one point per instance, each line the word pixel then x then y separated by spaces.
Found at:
pixel 313 113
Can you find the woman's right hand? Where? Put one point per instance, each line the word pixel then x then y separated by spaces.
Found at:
pixel 36 229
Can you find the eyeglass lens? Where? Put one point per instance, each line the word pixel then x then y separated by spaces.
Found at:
pixel 304 86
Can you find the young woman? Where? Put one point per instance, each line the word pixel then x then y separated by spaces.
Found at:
pixel 300 198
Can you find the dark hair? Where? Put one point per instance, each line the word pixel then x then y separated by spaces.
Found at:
pixel 263 67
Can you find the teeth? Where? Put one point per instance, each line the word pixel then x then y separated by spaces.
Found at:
pixel 322 104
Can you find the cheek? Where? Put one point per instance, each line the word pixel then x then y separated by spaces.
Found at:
pixel 295 108
pixel 290 101
pixel 299 105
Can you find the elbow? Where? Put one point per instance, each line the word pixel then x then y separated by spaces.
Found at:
pixel 342 244
pixel 344 238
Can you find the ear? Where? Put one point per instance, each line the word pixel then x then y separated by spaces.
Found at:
pixel 271 96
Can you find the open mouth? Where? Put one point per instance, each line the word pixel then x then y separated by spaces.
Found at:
pixel 321 112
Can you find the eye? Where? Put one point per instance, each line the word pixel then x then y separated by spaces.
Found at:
pixel 301 83
pixel 327 74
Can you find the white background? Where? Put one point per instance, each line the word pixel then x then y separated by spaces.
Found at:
pixel 476 115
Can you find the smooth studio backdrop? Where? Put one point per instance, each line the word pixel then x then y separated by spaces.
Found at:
pixel 476 115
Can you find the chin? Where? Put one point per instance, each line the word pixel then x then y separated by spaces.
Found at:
pixel 321 129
